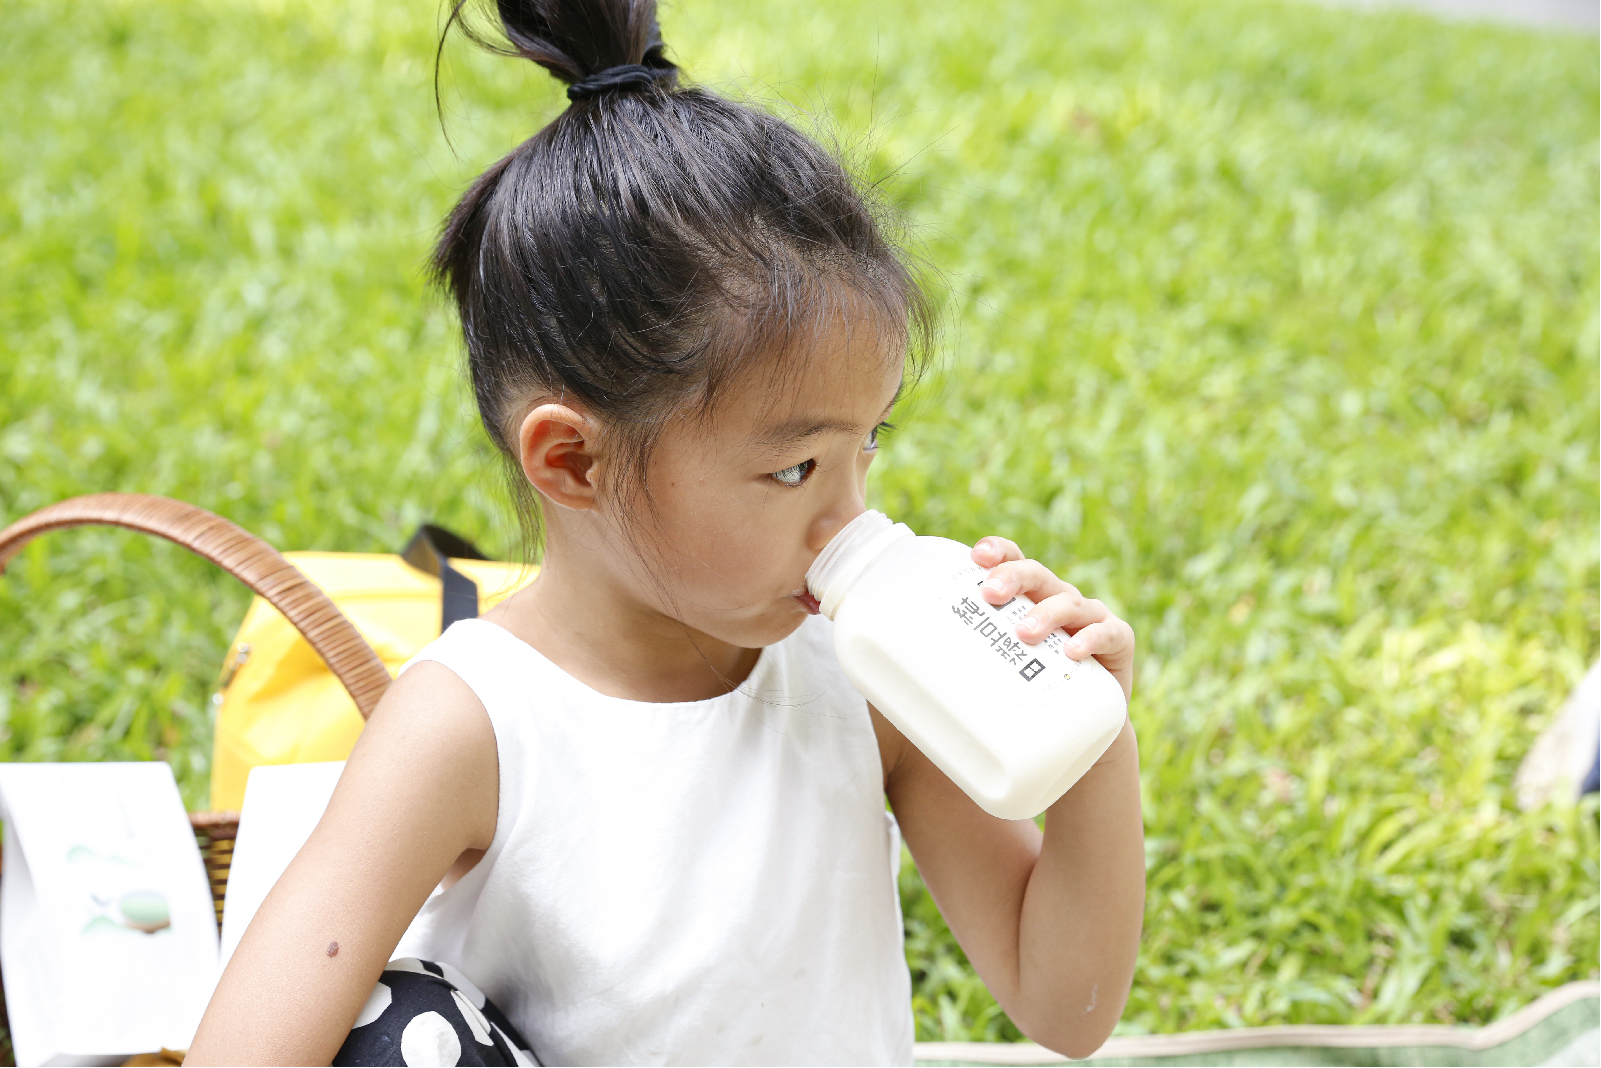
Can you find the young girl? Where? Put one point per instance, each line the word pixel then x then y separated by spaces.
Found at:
pixel 636 814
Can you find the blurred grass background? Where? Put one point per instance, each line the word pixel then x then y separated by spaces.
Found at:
pixel 1272 325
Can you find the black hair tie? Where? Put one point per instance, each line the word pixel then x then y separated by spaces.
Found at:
pixel 627 76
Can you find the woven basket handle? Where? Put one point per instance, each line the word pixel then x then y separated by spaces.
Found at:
pixel 240 553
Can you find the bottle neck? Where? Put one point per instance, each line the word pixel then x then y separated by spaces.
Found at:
pixel 846 556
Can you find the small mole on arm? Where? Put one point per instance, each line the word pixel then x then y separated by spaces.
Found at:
pixel 333 949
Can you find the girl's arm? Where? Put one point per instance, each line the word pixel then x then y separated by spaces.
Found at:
pixel 1051 921
pixel 419 792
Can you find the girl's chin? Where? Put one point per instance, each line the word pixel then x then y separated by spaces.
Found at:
pixel 770 628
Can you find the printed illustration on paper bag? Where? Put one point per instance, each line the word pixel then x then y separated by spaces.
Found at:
pixel 116 900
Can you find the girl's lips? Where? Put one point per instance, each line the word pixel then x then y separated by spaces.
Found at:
pixel 808 602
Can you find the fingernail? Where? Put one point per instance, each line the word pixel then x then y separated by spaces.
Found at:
pixel 993 584
pixel 1033 625
pixel 1074 644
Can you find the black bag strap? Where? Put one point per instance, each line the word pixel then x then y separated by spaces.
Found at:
pixel 430 550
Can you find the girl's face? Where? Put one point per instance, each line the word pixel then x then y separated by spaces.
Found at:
pixel 745 500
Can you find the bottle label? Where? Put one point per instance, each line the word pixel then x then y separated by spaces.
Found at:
pixel 1033 674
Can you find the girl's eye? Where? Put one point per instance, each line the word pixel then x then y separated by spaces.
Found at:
pixel 794 476
pixel 872 439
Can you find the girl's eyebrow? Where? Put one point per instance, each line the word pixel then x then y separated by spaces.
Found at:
pixel 802 427
pixel 793 430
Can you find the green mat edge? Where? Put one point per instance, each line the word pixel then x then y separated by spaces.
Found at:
pixel 1543 1039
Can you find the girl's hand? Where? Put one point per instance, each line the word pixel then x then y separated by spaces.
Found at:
pixel 1091 626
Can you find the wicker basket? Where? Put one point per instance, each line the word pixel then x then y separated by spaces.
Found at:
pixel 260 567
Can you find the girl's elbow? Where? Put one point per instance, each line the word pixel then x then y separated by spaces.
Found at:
pixel 1073 1042
pixel 1074 1031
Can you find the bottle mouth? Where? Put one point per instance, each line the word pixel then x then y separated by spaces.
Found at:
pixel 847 555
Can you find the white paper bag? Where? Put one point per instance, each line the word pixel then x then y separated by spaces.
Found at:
pixel 282 805
pixel 108 935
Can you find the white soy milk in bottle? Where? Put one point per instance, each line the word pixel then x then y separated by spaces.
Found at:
pixel 1014 725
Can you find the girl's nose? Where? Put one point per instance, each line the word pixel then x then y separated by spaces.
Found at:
pixel 824 527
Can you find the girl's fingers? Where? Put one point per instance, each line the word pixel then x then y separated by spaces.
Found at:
pixel 1069 610
pixel 1029 577
pixel 1110 639
pixel 992 550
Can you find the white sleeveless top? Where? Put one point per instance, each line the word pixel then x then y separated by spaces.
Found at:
pixel 703 882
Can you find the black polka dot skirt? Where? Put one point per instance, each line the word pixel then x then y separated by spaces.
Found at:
pixel 426 1013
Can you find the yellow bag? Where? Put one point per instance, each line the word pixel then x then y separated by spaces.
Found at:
pixel 278 703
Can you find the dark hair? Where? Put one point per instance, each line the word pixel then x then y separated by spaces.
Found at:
pixel 652 242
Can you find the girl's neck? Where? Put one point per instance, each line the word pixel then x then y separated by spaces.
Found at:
pixel 586 622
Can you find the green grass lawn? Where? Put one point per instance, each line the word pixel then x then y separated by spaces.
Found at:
pixel 1274 326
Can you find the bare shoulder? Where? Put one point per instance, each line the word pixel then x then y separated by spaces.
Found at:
pixel 892 744
pixel 430 738
pixel 430 697
pixel 945 828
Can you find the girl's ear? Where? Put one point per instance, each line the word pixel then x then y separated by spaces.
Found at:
pixel 556 446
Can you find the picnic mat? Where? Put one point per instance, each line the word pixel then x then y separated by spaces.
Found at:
pixel 1562 1027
